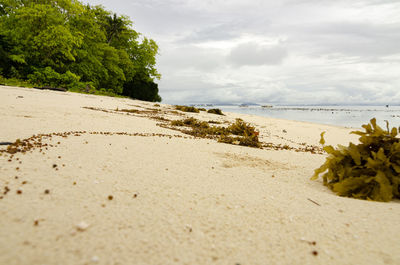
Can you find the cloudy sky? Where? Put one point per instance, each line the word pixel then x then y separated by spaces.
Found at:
pixel 269 51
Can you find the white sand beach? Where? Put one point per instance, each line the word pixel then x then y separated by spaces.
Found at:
pixel 120 189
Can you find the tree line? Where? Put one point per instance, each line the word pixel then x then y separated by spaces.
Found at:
pixel 65 43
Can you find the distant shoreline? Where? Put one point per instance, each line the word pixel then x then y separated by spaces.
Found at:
pixel 340 115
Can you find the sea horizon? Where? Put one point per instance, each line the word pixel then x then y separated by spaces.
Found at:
pixel 346 115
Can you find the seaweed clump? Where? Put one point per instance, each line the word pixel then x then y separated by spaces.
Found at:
pixel 242 128
pixel 239 133
pixel 191 122
pixel 246 134
pixel 200 128
pixel 215 111
pixel 369 170
pixel 187 109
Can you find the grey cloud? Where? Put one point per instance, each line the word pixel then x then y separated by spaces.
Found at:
pixel 255 54
pixel 192 57
pixel 360 39
pixel 346 2
pixel 157 17
pixel 224 31
pixel 197 89
pixel 380 2
pixel 340 51
pixel 346 39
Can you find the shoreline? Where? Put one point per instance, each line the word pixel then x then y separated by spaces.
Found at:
pixel 348 118
pixel 111 186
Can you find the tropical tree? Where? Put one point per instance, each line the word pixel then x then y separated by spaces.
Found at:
pixel 66 43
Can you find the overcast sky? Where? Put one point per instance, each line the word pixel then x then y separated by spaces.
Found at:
pixel 288 51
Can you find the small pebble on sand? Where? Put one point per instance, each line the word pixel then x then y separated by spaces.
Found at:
pixel 82 226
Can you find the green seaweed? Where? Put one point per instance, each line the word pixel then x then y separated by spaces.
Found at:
pixel 248 140
pixel 369 170
pixel 245 134
pixel 203 129
pixel 241 128
pixel 191 122
pixel 177 123
pixel 215 111
pixel 186 109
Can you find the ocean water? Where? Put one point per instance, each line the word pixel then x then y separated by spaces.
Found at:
pixel 348 116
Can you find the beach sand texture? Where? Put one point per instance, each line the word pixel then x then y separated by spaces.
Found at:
pixel 126 191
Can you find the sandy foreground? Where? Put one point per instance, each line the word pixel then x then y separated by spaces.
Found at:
pixel 126 191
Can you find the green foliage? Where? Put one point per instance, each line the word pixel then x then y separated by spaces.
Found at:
pixel 5 61
pixel 14 82
pixel 369 170
pixel 115 26
pixel 215 111
pixel 71 44
pixel 186 108
pixel 143 90
pixel 39 36
pixel 98 92
pixel 47 76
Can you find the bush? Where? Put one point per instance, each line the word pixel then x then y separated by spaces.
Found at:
pixel 14 82
pixel 142 90
pixel 47 76
pixel 369 170
pixel 215 111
